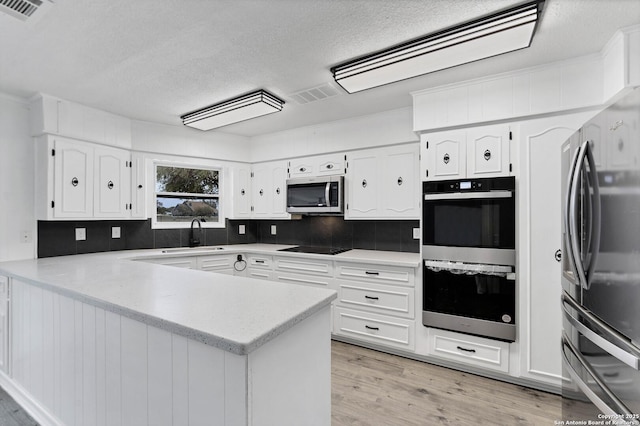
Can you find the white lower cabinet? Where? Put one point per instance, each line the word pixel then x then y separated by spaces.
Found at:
pixel 311 272
pixel 222 264
pixel 471 350
pixel 259 266
pixel 375 328
pixel 178 262
pixel 383 299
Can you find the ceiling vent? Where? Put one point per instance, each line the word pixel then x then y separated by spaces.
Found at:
pixel 317 93
pixel 22 9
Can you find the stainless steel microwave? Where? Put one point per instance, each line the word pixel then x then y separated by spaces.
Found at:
pixel 316 195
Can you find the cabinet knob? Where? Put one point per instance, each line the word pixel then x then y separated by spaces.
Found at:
pixel 558 255
pixel 303 169
pixel 110 184
pixel 75 181
pixel 261 192
pixel 242 192
pixel 364 183
pixel 446 158
pixel 400 181
pixel 487 155
pixel 278 191
pixel 329 166
pixel 139 186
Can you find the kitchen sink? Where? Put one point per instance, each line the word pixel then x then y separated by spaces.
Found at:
pixel 191 249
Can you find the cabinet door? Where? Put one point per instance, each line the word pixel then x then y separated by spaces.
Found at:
pixel 488 151
pixel 138 187
pixel 444 155
pixel 112 183
pixel 301 167
pixel 400 196
pixel 260 183
pixel 73 179
pixel 278 190
pixel 332 164
pixel 241 192
pixel 362 185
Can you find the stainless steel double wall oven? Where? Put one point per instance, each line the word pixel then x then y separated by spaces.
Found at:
pixel 469 256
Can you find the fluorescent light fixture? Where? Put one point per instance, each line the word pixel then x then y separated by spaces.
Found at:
pixel 248 106
pixel 492 35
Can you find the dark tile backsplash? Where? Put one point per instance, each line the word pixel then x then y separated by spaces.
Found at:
pixel 58 238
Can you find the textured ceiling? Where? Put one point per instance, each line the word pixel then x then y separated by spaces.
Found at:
pixel 156 60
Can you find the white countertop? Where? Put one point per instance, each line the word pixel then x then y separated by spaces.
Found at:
pixel 236 314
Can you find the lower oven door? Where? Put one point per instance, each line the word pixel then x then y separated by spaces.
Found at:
pixel 470 298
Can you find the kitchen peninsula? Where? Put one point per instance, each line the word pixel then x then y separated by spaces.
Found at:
pixel 102 339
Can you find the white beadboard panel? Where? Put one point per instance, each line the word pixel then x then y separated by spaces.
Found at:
pixel 48 349
pixel 78 367
pixel 35 351
pixel 89 370
pixel 67 362
pixel 113 381
pixel 101 371
pixel 206 383
pixel 180 376
pixel 160 378
pixel 133 358
pixel 236 390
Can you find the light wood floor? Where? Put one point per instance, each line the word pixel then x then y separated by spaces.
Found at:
pixel 374 388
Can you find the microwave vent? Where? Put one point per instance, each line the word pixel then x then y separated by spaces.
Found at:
pixel 22 9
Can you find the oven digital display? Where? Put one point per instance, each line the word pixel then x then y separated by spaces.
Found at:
pixel 465 184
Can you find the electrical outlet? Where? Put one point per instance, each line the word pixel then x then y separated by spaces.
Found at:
pixel 273 230
pixel 115 232
pixel 416 233
pixel 81 234
pixel 241 229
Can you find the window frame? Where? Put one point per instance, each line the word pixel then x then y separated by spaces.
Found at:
pixel 155 224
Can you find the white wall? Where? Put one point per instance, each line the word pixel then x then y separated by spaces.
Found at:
pixel 183 141
pixel 386 128
pixel 17 171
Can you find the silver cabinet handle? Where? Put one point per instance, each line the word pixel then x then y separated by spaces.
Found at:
pixel 110 184
pixel 620 408
pixel 75 181
pixel 620 349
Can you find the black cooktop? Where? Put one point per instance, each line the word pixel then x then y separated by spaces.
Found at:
pixel 316 249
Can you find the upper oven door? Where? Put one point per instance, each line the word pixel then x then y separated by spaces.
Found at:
pixel 473 222
pixel 315 195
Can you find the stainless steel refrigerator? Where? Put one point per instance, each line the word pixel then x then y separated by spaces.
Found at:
pixel 601 267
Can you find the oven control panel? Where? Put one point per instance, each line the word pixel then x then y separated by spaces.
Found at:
pixel 468 185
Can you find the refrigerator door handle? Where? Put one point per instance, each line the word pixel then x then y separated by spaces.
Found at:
pixel 630 356
pixel 595 209
pixel 619 412
pixel 570 216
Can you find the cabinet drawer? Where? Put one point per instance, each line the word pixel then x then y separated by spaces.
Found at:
pixel 178 262
pixel 395 275
pixel 258 273
pixel 215 263
pixel 472 350
pixel 310 280
pixel 375 328
pixel 258 261
pixel 379 298
pixel 304 266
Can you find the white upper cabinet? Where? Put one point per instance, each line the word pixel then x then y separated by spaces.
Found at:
pixel 81 180
pixel 72 179
pixel 382 183
pixel 138 186
pixel 319 165
pixel 476 152
pixel 112 183
pixel 269 190
pixel 241 192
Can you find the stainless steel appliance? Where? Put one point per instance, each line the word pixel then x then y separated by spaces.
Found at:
pixel 468 237
pixel 315 195
pixel 601 267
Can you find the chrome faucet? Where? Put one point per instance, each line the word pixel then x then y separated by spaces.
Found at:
pixel 193 241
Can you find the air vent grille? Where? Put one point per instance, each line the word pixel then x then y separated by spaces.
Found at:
pixel 21 9
pixel 313 94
